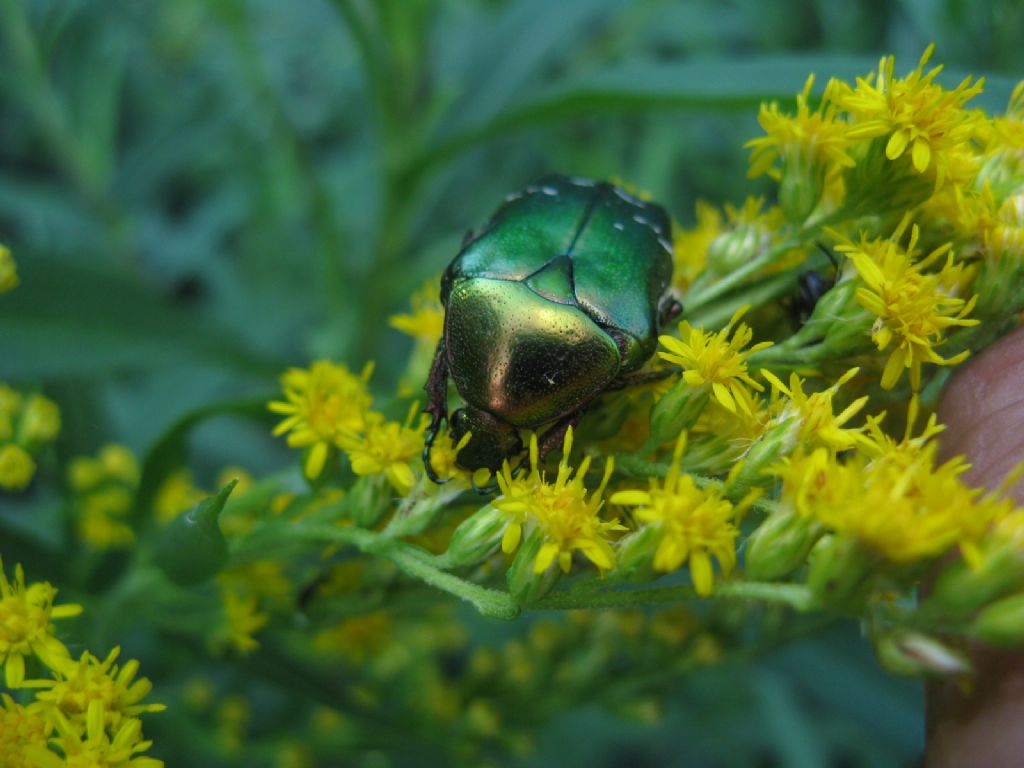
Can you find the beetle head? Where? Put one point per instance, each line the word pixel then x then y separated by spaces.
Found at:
pixel 492 440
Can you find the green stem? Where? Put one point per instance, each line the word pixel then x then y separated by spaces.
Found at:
pixel 417 563
pixel 796 596
pixel 737 277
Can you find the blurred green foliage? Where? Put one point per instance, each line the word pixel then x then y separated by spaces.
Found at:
pixel 199 194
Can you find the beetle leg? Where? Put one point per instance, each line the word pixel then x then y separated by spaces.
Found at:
pixel 669 309
pixel 555 436
pixel 437 405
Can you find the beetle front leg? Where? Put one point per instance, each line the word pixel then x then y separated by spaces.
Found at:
pixel 437 405
pixel 556 435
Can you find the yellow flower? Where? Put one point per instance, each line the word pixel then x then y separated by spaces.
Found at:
pixel 917 115
pixel 25 628
pixel 693 524
pixel 690 246
pixel 810 145
pixel 426 321
pixel 104 494
pixel 243 619
pixel 812 414
pixel 16 467
pixel 79 686
pixel 320 404
pixel 912 308
pixel 817 135
pixel 386 447
pixel 357 638
pixel 715 361
pixel 8 271
pixel 22 729
pixel 567 519
pixel 40 420
pixel 94 747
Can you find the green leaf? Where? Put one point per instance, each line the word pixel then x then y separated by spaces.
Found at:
pixel 65 321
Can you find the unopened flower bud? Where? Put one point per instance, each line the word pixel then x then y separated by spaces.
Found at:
pixel 780 545
pixel 192 548
pixel 677 410
pixel 732 249
pixel 477 538
pixel 800 189
pixel 368 500
pixel 772 446
pixel 905 652
pixel 1001 623
pixel 840 571
pixel 525 585
pixel 960 590
pixel 635 559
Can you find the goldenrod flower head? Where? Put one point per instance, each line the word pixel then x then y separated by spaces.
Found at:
pixel 917 115
pixel 693 524
pixel 17 467
pixel 104 494
pixel 79 686
pixel 1006 236
pixel 93 747
pixel 690 246
pixel 566 517
pixel 912 307
pixel 715 361
pixel 25 628
pixel 8 271
pixel 811 146
pixel 426 321
pixel 816 423
pixel 40 420
pixel 811 481
pixel 243 619
pixel 321 403
pixel 1004 144
pixel 443 455
pixel 386 447
pixel 357 638
pixel 22 729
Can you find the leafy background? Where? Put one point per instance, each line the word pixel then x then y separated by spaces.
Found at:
pixel 202 192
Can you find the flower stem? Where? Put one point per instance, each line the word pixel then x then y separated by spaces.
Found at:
pixel 417 563
pixel 796 596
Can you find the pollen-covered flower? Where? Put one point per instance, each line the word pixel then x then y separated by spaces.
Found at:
pixel 567 518
pixel 386 448
pixel 913 308
pixel 25 628
pixel 93 746
pixel 8 271
pixel 22 730
pixel 813 415
pixel 715 361
pixel 809 145
pixel 693 524
pixel 17 467
pixel 917 115
pixel 243 619
pixel 78 686
pixel 320 404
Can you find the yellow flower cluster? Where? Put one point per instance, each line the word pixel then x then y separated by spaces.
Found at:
pixel 567 519
pixel 103 491
pixel 86 713
pixel 28 423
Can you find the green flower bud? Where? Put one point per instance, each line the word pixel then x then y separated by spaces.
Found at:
pixel 192 548
pixel 840 571
pixel 960 590
pixel 904 652
pixel 369 499
pixel 1001 623
pixel 732 249
pixel 477 538
pixel 525 586
pixel 773 445
pixel 677 410
pixel 780 545
pixel 800 189
pixel 635 559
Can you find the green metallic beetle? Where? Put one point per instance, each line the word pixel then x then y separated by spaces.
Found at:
pixel 559 298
